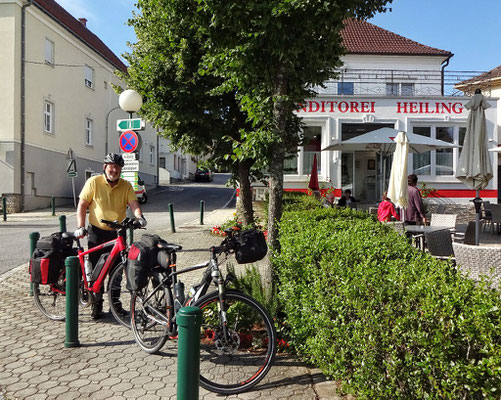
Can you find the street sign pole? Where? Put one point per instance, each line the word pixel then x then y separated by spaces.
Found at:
pixel 74 196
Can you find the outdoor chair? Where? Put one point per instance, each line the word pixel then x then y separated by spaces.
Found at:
pixel 373 210
pixel 468 236
pixel 439 244
pixel 397 225
pixel 486 216
pixel 446 220
pixel 478 261
pixel 441 209
pixel 495 216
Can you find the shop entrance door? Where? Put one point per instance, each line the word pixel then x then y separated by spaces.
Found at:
pixel 362 170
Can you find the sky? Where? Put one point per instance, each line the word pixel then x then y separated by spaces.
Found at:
pixel 466 28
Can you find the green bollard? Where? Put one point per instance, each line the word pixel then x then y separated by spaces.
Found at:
pixel 34 236
pixel 53 205
pixel 189 321
pixel 72 278
pixel 62 223
pixel 171 212
pixel 202 207
pixel 130 236
pixel 4 208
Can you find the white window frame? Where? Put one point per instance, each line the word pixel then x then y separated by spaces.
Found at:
pixel 300 157
pixel 49 52
pixel 48 117
pixel 89 77
pixel 89 123
pixel 152 152
pixel 400 89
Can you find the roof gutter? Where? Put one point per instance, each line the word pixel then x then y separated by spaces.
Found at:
pixel 23 101
pixel 442 74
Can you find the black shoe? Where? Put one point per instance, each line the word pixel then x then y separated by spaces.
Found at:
pixel 97 310
pixel 119 309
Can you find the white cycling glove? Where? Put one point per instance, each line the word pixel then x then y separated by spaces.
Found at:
pixel 141 221
pixel 80 233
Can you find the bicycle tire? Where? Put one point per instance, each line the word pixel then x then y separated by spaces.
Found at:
pixel 236 366
pixel 51 299
pixel 149 334
pixel 119 297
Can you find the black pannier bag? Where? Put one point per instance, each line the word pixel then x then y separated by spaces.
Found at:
pixel 47 261
pixel 141 259
pixel 251 246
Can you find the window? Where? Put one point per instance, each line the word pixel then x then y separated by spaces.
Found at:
pixel 49 52
pixel 400 89
pixel 161 162
pixel 89 77
pixel 301 162
pixel 152 153
pixel 48 115
pixel 439 162
pixel 345 88
pixel 88 132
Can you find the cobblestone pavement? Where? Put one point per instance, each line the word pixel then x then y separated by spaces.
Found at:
pixel 34 364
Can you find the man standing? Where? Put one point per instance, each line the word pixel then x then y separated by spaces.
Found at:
pixel 107 197
pixel 414 213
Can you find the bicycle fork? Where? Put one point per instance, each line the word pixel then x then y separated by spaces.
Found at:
pixel 216 275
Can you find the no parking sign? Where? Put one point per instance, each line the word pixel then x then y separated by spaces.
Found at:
pixel 129 141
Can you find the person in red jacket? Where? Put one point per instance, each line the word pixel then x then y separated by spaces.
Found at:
pixel 386 209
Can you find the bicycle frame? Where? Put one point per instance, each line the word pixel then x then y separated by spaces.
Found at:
pixel 118 246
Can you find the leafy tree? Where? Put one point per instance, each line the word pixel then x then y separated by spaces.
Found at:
pixel 196 111
pixel 274 52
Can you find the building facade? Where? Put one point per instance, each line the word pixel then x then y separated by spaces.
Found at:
pixel 58 99
pixel 387 81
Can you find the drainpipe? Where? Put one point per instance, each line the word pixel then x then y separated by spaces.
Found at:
pixel 442 73
pixel 23 99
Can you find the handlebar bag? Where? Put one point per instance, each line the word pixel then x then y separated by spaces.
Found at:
pixel 251 246
pixel 142 258
pixel 47 260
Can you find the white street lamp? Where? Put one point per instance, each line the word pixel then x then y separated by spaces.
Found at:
pixel 130 101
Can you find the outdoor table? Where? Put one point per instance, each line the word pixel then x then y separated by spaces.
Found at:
pixel 419 230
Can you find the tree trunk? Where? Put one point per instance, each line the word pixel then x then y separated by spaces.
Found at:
pixel 280 118
pixel 246 192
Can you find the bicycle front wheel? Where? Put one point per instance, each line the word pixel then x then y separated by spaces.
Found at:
pixel 150 315
pixel 234 361
pixel 51 299
pixel 118 295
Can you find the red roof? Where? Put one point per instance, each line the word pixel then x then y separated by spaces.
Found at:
pixel 362 37
pixel 60 15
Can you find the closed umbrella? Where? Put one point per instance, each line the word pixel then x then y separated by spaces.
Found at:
pixel 313 185
pixel 474 166
pixel 397 186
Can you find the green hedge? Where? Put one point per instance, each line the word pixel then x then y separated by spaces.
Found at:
pixel 387 320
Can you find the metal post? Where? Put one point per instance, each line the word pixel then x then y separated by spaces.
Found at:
pixel 34 236
pixel 189 320
pixel 4 208
pixel 72 278
pixel 477 202
pixel 171 212
pixel 53 205
pixel 62 223
pixel 202 207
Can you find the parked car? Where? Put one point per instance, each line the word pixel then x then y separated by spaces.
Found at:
pixel 141 192
pixel 203 174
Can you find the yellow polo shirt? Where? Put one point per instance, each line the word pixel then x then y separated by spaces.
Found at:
pixel 106 202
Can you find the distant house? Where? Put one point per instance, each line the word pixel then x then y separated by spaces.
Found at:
pixel 57 95
pixel 386 81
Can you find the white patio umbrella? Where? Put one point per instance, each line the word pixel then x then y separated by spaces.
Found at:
pixel 397 186
pixel 382 141
pixel 474 165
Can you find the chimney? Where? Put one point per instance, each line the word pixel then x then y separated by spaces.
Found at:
pixel 83 21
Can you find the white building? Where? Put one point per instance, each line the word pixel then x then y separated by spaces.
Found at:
pixel 387 81
pixel 57 94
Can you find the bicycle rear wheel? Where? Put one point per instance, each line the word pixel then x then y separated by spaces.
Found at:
pixel 118 295
pixel 51 299
pixel 149 316
pixel 234 364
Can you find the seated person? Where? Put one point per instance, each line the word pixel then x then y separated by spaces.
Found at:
pixel 347 199
pixel 329 199
pixel 386 209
